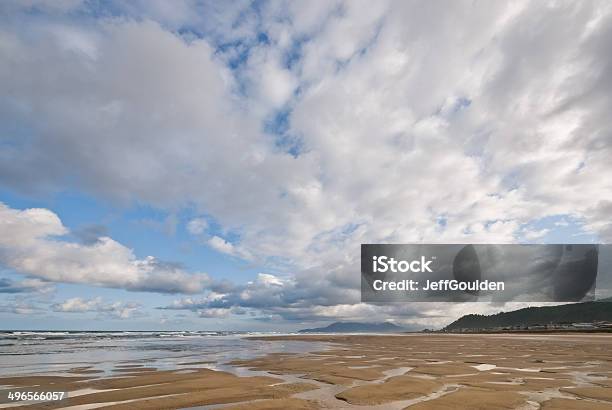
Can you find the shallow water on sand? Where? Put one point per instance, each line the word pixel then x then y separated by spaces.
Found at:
pixel 99 354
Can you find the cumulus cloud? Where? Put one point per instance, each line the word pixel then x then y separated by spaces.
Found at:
pixel 30 243
pixel 117 310
pixel 406 122
pixel 221 245
pixel 535 234
pixel 269 295
pixel 198 227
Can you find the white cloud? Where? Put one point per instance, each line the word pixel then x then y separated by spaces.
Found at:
pixel 214 313
pixel 117 310
pixel 535 234
pixel 485 116
pixel 221 245
pixel 77 305
pixel 269 280
pixel 30 243
pixel 197 226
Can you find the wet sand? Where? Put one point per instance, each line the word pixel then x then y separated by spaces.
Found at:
pixel 424 371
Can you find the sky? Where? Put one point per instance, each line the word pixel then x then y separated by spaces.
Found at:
pixel 216 165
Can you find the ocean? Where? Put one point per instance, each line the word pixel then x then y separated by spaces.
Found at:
pixel 59 353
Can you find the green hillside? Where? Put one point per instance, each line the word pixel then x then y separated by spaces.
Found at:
pixel 572 313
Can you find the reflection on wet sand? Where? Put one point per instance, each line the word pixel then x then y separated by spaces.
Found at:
pixel 363 372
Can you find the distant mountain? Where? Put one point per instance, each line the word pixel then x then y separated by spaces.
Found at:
pixel 572 313
pixel 354 327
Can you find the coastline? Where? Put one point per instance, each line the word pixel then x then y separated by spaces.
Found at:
pixel 361 371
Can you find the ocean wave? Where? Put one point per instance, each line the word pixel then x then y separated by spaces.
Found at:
pixel 101 335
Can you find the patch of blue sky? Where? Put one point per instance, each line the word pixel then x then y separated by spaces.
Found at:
pixel 557 229
pixel 293 55
pixel 441 222
pixel 462 103
pixel 262 38
pixel 278 126
pixel 191 33
pixel 179 245
pixel 236 53
pixel 104 9
pixel 453 107
pixel 144 230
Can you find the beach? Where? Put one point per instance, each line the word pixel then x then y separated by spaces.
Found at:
pixel 417 371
